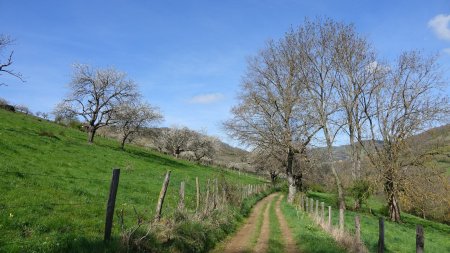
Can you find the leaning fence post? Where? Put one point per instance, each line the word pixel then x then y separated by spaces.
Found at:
pixel 197 186
pixel 162 195
pixel 420 239
pixel 181 202
pixel 341 219
pixel 381 236
pixel 111 203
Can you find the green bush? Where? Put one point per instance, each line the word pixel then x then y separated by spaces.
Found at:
pixel 316 187
pixel 361 191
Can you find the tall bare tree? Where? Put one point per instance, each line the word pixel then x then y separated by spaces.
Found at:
pixel 356 70
pixel 5 64
pixel 405 102
pixel 131 117
pixel 272 111
pixel 95 94
pixel 316 42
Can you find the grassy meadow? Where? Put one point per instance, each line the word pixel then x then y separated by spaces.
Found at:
pixel 54 185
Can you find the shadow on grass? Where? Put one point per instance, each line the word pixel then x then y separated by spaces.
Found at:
pixel 155 158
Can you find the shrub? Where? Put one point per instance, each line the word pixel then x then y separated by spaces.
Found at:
pixel 316 188
pixel 361 191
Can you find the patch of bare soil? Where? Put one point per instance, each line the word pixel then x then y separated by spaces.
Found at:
pixel 240 242
pixel 288 239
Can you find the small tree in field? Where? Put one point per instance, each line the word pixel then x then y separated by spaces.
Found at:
pixel 95 94
pixel 201 145
pixel 131 118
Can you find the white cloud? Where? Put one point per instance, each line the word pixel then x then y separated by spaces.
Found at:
pixel 440 26
pixel 206 98
pixel 446 50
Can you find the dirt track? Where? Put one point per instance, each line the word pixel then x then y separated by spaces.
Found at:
pixel 241 241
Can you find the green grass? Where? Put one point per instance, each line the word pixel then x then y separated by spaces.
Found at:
pixel 398 237
pixel 307 235
pixel 55 185
pixel 276 243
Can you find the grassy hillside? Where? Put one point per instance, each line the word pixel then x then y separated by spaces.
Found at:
pixel 398 237
pixel 55 185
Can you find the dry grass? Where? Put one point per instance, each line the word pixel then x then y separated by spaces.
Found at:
pixel 344 238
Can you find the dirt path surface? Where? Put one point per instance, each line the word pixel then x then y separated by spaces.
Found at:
pixel 263 240
pixel 241 241
pixel 289 242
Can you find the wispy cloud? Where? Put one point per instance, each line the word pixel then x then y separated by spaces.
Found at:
pixel 440 25
pixel 446 50
pixel 206 98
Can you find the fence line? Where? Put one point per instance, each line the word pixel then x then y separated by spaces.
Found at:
pixel 344 236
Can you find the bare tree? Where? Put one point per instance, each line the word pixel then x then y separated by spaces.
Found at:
pixel 95 94
pixel 316 42
pixel 175 140
pixel 130 118
pixel 271 110
pixel 23 109
pixel 405 102
pixel 201 145
pixel 356 70
pixel 268 161
pixel 5 64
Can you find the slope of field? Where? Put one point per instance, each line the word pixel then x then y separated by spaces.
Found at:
pixel 54 185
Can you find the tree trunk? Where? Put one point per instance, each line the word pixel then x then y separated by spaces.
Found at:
pixel 91 135
pixel 394 207
pixel 290 176
pixel 273 177
pixel 298 181
pixel 341 198
pixel 122 144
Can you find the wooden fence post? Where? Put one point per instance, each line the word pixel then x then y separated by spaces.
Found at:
pixel 329 216
pixel 317 208
pixel 216 193
pixel 322 209
pixel 381 236
pixel 197 186
pixel 111 203
pixel 224 196
pixel 162 195
pixel 181 201
pixel 341 219
pixel 207 198
pixel 301 202
pixel 306 205
pixel 357 231
pixel 311 207
pixel 420 239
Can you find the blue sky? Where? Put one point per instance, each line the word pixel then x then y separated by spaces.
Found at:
pixel 188 57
